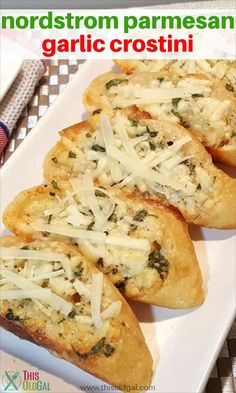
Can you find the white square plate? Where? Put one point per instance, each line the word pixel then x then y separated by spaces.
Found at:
pixel 187 342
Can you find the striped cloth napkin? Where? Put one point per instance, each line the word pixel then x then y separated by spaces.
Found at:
pixel 18 96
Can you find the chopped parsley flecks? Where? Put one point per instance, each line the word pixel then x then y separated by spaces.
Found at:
pixel 49 218
pixel 98 148
pixel 54 184
pixel 90 226
pixel 72 154
pixel 72 314
pixel 140 215
pixel 192 169
pixel 113 216
pixel 115 82
pixel 96 112
pixel 101 347
pixel 121 284
pixel 79 270
pixel 134 122
pixel 12 317
pixel 152 146
pixel 99 193
pixel 229 87
pixel 100 262
pixel 175 101
pixel 197 95
pixel 157 261
pixel 152 134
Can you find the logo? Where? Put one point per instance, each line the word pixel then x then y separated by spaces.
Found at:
pixel 27 380
pixel 11 381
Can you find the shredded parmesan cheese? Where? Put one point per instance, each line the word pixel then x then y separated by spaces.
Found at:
pixel 126 142
pixel 139 170
pixel 55 301
pixel 113 310
pixel 82 289
pixel 66 230
pixel 146 96
pixel 42 293
pixel 129 242
pixel 16 253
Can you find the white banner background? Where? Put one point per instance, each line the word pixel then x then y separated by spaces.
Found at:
pixel 207 43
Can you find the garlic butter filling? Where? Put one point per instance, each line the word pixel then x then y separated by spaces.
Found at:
pixel 221 69
pixel 120 238
pixel 55 282
pixel 132 154
pixel 189 102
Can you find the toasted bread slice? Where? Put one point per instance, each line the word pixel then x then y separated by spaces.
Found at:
pixel 198 103
pixel 52 296
pixel 148 253
pixel 224 70
pixel 152 158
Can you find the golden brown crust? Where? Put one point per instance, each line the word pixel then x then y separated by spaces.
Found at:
pixel 127 66
pixel 222 208
pixel 130 366
pixel 183 286
pixel 222 70
pixel 128 342
pixel 16 219
pixel 95 97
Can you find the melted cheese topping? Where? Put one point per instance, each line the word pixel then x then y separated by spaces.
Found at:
pixel 52 290
pixel 139 95
pixel 121 248
pixel 165 163
pixel 190 102
pixel 149 169
pixel 40 293
pixel 15 253
pixel 221 69
pixel 53 300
